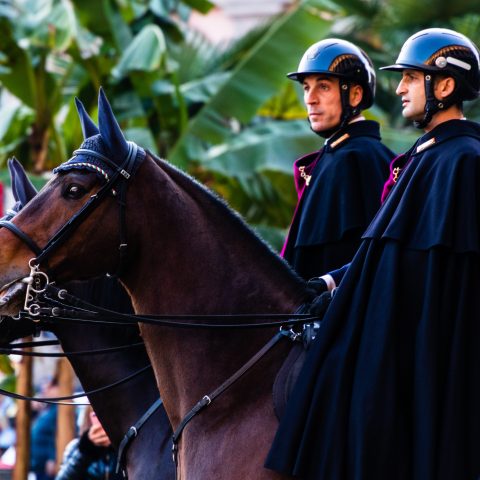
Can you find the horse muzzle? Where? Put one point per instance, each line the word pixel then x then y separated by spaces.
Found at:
pixel 12 298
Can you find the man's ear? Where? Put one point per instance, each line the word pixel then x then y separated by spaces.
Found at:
pixel 356 95
pixel 444 87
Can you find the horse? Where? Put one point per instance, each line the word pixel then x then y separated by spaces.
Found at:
pixel 177 249
pixel 119 407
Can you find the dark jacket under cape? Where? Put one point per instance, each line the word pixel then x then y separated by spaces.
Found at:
pixel 343 195
pixel 390 388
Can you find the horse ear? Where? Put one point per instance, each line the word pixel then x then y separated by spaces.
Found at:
pixel 112 135
pixel 89 128
pixel 22 188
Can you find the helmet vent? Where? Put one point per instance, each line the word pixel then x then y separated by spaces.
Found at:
pixel 334 67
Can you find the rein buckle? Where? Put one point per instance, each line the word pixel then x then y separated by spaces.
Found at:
pixel 37 283
pixel 290 334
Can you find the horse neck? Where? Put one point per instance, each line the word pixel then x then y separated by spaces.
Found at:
pixel 195 257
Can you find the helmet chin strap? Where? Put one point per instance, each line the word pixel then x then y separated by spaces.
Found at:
pixel 432 105
pixel 348 112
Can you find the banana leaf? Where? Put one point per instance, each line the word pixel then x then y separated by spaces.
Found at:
pixel 146 52
pixel 256 78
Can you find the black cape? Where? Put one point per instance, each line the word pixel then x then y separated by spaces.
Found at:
pixel 391 385
pixel 343 195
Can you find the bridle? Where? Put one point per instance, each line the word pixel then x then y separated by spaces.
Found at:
pixel 116 185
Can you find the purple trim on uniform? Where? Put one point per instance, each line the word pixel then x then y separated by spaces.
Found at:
pixel 309 166
pixel 300 183
pixel 398 161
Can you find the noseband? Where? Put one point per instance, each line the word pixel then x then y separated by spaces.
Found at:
pixel 116 184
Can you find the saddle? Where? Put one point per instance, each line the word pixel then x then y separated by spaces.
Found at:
pixel 290 369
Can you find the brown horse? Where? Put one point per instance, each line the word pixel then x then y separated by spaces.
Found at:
pixel 187 253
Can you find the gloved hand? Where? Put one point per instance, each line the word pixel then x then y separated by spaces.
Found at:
pixel 319 304
pixel 318 284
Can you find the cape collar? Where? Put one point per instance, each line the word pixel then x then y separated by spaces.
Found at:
pixel 445 131
pixel 303 167
pixel 362 128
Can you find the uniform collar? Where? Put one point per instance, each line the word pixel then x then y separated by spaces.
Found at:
pixel 445 131
pixel 361 128
pixel 304 166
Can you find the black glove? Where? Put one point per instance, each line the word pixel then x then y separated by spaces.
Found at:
pixel 319 304
pixel 318 284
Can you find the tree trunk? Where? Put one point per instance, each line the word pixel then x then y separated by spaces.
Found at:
pixel 38 139
pixel 23 419
pixel 66 413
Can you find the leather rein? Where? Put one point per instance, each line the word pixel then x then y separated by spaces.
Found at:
pixel 16 349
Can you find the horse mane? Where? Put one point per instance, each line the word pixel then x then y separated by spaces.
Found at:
pixel 185 180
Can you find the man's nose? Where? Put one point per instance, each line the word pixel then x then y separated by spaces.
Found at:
pixel 400 88
pixel 310 97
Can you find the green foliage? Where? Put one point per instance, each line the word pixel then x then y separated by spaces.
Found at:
pixel 6 368
pixel 9 382
pixel 146 53
pixel 259 73
pixel 51 50
pixel 226 114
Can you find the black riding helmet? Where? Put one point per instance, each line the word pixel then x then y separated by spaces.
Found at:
pixel 439 51
pixel 346 61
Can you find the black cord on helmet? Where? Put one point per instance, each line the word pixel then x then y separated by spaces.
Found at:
pixel 348 112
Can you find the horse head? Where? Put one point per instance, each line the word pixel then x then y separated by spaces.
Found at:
pixel 100 167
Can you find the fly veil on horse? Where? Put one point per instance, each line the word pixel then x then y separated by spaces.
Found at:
pixel 120 406
pixel 178 250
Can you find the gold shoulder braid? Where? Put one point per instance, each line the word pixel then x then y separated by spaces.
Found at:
pixel 340 140
pixel 426 144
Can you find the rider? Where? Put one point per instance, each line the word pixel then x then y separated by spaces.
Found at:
pixel 338 186
pixel 390 388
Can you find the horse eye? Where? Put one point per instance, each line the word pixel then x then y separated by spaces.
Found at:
pixel 74 191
